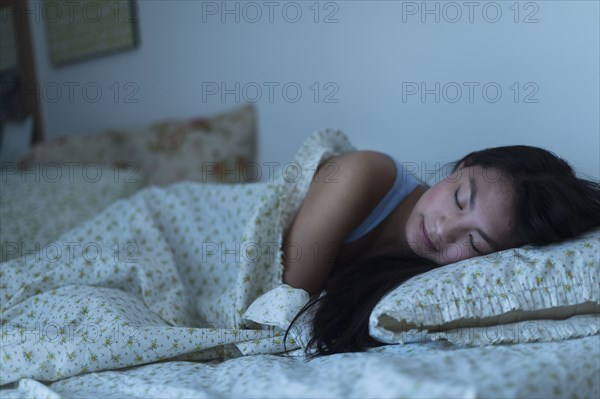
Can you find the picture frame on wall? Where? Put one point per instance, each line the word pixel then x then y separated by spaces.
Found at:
pixel 86 29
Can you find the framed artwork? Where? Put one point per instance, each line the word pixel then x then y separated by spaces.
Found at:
pixel 85 29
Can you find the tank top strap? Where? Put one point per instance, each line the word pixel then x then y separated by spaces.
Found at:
pixel 403 185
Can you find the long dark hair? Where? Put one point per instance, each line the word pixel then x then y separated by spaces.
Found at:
pixel 552 204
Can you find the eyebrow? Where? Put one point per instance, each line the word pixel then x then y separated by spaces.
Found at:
pixel 472 200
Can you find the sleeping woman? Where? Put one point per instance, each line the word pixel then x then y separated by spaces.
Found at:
pixel 375 226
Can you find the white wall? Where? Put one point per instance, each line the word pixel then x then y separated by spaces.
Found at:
pixel 367 56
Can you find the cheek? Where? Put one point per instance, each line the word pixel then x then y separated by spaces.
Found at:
pixel 455 253
pixel 431 199
pixel 412 224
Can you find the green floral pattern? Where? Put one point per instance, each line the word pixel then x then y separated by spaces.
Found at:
pixel 36 208
pixel 153 314
pixel 167 273
pixel 524 290
pixel 563 369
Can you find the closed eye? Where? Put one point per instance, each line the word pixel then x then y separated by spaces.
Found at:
pixel 456 199
pixel 470 235
pixel 473 245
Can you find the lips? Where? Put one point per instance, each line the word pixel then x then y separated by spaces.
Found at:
pixel 425 237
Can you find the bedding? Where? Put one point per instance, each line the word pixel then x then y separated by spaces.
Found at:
pixel 78 176
pixel 217 148
pixel 529 283
pixel 562 369
pixel 37 206
pixel 176 291
pixel 166 272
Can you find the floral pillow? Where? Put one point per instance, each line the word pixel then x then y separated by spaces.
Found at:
pixel 217 149
pixel 206 149
pixel 78 150
pixel 517 295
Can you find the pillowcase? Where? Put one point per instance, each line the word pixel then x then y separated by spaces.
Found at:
pixel 105 148
pixel 216 149
pixel 495 298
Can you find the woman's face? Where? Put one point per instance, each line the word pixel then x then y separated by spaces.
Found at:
pixel 470 213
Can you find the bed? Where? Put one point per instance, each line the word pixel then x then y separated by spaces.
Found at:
pixel 108 292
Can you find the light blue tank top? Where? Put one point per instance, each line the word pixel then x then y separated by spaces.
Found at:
pixel 402 187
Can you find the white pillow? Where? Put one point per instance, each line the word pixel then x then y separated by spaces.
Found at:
pixel 516 288
pixel 16 137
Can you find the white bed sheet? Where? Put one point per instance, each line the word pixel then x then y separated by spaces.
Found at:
pixel 569 368
pixel 564 369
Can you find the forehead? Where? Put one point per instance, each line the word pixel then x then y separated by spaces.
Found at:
pixel 484 177
pixel 479 173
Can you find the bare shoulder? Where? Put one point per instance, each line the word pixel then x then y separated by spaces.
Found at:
pixel 354 181
pixel 342 193
pixel 370 168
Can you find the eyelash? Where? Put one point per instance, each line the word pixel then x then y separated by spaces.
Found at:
pixel 456 199
pixel 470 235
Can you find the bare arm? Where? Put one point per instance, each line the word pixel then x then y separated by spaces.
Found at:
pixel 335 204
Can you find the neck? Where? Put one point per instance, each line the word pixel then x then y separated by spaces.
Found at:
pixel 393 238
